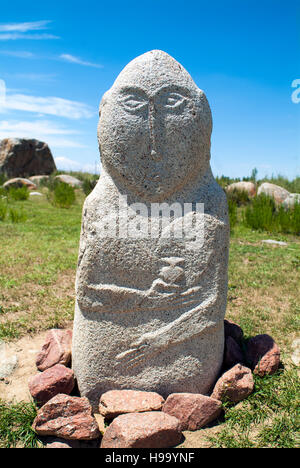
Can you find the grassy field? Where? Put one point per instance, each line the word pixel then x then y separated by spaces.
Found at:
pixel 37 272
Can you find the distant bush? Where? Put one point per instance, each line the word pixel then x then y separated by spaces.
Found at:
pixel 3 178
pixel 18 194
pixel 232 211
pixel 240 197
pixel 289 219
pixel 49 182
pixel 62 195
pixel 17 216
pixel 263 215
pixel 88 185
pixel 3 210
pixel 260 214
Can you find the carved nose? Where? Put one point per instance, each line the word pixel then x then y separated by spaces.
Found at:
pixel 155 155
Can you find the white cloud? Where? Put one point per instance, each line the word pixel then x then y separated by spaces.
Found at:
pixel 40 126
pixel 79 61
pixel 36 76
pixel 48 105
pixel 67 164
pixel 17 53
pixel 15 31
pixel 24 27
pixel 41 130
pixel 35 37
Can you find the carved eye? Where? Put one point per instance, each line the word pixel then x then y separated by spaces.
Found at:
pixel 174 100
pixel 133 102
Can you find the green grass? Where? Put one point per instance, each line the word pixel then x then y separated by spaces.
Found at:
pixel 15 425
pixel 37 266
pixel 3 210
pixel 267 418
pixel 233 214
pixel 18 193
pixel 17 215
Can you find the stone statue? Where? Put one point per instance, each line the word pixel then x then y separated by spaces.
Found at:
pixel 150 302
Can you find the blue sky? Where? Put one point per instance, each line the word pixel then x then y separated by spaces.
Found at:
pixel 58 58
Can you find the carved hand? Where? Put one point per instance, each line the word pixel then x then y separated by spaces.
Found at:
pixel 140 350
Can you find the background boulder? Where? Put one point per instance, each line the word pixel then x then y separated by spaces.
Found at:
pixel 70 180
pixel 248 187
pixel 278 193
pixel 291 200
pixel 23 158
pixel 19 182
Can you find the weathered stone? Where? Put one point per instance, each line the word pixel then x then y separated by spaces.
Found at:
pixel 150 305
pixel 59 444
pixel 263 355
pixel 18 182
pixel 115 402
pixel 7 363
pixel 274 242
pixel 51 382
pixel 70 180
pixel 233 330
pixel 248 187
pixel 38 179
pixel 56 442
pixel 275 191
pixel 67 417
pixel 36 194
pixel 142 430
pixel 296 352
pixel 55 350
pixel 233 353
pixel 234 385
pixel 23 158
pixel 291 200
pixel 192 410
pixel 101 422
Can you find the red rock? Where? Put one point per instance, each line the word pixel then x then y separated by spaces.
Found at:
pixel 233 330
pixel 234 385
pixel 56 349
pixel 153 429
pixel 233 353
pixel 192 410
pixel 67 417
pixel 51 382
pixel 116 402
pixel 263 355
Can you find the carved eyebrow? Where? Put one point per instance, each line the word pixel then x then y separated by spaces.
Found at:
pixel 174 88
pixel 133 90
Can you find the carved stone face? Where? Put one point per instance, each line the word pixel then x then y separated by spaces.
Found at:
pixel 154 128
